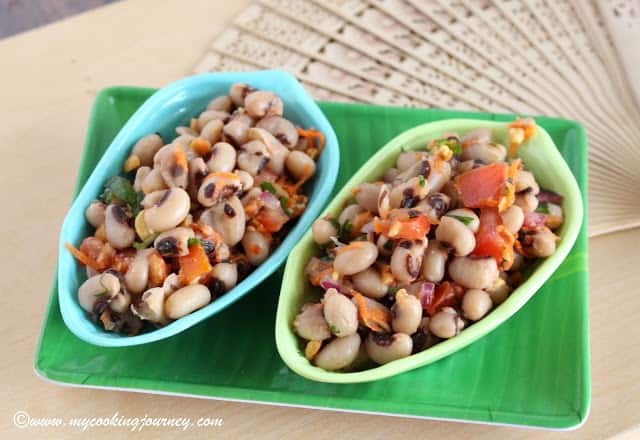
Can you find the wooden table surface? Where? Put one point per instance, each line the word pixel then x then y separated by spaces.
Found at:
pixel 49 79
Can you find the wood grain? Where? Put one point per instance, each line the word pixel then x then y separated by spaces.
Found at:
pixel 48 96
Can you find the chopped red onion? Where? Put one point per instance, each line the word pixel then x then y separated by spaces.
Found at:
pixel 549 196
pixel 270 201
pixel 534 220
pixel 367 228
pixel 426 293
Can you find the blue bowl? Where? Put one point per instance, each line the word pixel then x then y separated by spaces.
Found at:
pixel 168 108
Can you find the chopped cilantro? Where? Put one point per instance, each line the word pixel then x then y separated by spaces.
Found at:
pixel 393 290
pixel 193 241
pixel 146 242
pixel 334 330
pixel 345 231
pixel 284 202
pixel 451 142
pixel 120 189
pixel 543 208
pixel 421 180
pixel 268 186
pixel 463 218
pixel 351 200
pixel 388 245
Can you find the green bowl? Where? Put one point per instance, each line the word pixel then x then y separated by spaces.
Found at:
pixel 540 156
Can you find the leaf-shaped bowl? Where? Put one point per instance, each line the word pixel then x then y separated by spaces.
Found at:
pixel 541 157
pixel 168 108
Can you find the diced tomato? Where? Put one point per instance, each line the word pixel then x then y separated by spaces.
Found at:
pixel 411 228
pixel 194 264
pixel 493 239
pixel 484 186
pixel 444 296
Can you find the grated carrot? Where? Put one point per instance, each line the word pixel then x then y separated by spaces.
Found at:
pixel 83 258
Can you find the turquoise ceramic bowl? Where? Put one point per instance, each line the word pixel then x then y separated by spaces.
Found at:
pixel 168 108
pixel 540 156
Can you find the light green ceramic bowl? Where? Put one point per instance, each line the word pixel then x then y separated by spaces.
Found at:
pixel 540 156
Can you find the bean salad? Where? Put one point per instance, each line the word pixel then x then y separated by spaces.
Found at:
pixel 416 257
pixel 191 218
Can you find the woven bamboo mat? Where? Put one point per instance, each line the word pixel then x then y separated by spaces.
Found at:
pixel 576 59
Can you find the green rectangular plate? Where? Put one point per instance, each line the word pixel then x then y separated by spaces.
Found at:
pixel 533 370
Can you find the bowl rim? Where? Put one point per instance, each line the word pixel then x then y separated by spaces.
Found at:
pixel 69 307
pixel 571 228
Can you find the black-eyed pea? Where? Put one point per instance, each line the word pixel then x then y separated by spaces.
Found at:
pixel 246 179
pixel 468 217
pixel 237 129
pixel 153 181
pixel 367 196
pixel 171 283
pixel 384 203
pixel 146 148
pixel 174 242
pixel 456 234
pixel 369 283
pixel 151 306
pixel 439 175
pixel 543 243
pixel 479 135
pixel 474 273
pixel 169 211
pixel 526 181
pixel 310 323
pixel 238 93
pixel 221 103
pixel 223 158
pixel 300 165
pixel 349 214
pixel 355 257
pixel 322 231
pixel 390 175
pixel 339 353
pixel 406 260
pixel 253 157
pixel 174 168
pixel 141 174
pixel 225 276
pixel 450 190
pixel 499 291
pixel 95 213
pixel 434 206
pixel 186 300
pixel 434 262
pixel 212 131
pixel 446 323
pixel 137 276
pixel 263 103
pixel 407 194
pixel 228 219
pixel 207 116
pixel 527 201
pixel 256 245
pixel 281 128
pixel 408 159
pixel 512 218
pixel 278 153
pixel 120 302
pixel 383 348
pixel 117 230
pixel 98 287
pixel 476 304
pixel 217 187
pixel 182 130
pixel 406 313
pixel 487 152
pixel 518 262
pixel 340 313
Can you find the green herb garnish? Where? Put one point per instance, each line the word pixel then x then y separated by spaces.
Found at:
pixel 543 208
pixel 284 202
pixel 351 200
pixel 345 230
pixel 268 186
pixel 393 290
pixel 120 189
pixel 463 218
pixel 421 180
pixel 139 245
pixel 453 144
pixel 104 290
pixel 388 246
pixel 334 330
pixel 193 241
